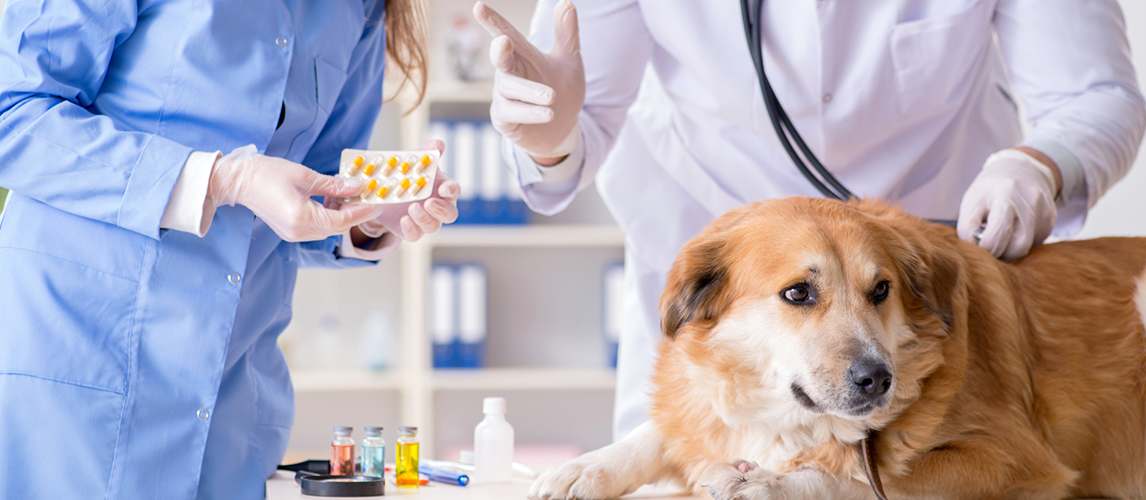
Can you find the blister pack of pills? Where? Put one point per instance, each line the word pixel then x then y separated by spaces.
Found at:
pixel 390 176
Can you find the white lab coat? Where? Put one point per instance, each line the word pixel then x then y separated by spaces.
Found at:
pixel 900 99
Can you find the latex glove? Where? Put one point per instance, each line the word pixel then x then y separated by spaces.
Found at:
pixel 536 96
pixel 278 191
pixel 1015 195
pixel 415 219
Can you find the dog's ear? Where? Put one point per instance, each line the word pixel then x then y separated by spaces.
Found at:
pixel 934 273
pixel 695 285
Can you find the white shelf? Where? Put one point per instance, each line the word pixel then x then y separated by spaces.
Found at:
pixel 345 380
pixel 492 379
pixel 528 236
pixel 476 92
pixel 510 379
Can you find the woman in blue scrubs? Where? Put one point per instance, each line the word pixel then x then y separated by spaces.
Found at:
pixel 148 254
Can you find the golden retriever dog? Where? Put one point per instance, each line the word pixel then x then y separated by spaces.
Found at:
pixel 797 328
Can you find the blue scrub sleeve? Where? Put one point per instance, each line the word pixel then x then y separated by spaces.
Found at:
pixel 53 148
pixel 350 125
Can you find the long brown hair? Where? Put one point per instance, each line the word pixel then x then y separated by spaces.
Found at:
pixel 406 43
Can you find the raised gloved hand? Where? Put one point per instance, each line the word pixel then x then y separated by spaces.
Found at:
pixel 1014 195
pixel 278 191
pixel 412 220
pixel 536 96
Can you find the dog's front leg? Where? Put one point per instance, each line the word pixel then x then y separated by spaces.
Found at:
pixel 609 472
pixel 747 481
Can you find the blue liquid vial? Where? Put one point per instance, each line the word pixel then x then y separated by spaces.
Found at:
pixel 374 453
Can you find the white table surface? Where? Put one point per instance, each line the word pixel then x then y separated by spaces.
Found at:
pixel 283 487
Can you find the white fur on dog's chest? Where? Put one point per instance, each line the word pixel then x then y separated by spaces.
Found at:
pixel 772 446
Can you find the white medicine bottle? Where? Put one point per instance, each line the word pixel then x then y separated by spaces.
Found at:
pixel 493 444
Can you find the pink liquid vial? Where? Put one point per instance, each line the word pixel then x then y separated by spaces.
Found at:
pixel 342 452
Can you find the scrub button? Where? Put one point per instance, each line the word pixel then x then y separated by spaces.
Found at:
pixel 281 41
pixel 827 98
pixel 202 414
pixel 234 278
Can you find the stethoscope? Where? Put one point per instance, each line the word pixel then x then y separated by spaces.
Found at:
pixel 829 186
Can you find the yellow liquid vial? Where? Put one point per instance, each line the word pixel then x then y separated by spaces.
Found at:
pixel 407 465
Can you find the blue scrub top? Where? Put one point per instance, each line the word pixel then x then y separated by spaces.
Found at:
pixel 138 362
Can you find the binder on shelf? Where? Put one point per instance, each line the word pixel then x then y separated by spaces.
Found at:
pixel 515 208
pixel 443 315
pixel 473 327
pixel 612 293
pixel 490 193
pixel 492 204
pixel 465 170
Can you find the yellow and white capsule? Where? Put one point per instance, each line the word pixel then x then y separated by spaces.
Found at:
pixel 404 167
pixel 382 192
pixel 369 169
pixel 389 166
pixel 418 185
pixel 355 165
pixel 370 187
pixel 422 164
pixel 405 185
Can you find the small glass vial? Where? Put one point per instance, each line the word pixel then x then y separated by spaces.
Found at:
pixel 342 452
pixel 493 444
pixel 374 453
pixel 407 460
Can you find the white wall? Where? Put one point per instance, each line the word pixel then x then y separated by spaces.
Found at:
pixel 1122 212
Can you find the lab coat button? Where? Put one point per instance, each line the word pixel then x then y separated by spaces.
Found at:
pixel 827 98
pixel 281 41
pixel 203 414
pixel 234 278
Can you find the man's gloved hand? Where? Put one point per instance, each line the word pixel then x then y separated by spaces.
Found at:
pixel 1015 196
pixel 536 96
pixel 412 220
pixel 278 191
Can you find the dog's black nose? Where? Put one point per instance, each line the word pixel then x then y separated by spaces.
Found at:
pixel 872 378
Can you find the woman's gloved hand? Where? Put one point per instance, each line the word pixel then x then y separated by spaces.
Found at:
pixel 412 220
pixel 278 191
pixel 1015 195
pixel 536 96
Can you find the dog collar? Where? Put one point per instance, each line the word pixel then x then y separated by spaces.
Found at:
pixel 867 449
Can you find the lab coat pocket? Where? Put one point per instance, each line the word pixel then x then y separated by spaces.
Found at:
pixel 936 58
pixel 59 440
pixel 65 321
pixel 328 80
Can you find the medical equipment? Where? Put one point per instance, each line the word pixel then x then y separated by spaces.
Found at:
pixel 390 176
pixel 342 452
pixel 320 485
pixel 374 453
pixel 444 476
pixel 780 121
pixel 406 464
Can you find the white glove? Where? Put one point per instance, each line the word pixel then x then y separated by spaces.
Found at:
pixel 412 220
pixel 278 191
pixel 536 96
pixel 1015 195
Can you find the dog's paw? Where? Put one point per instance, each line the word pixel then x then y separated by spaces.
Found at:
pixel 588 477
pixel 741 481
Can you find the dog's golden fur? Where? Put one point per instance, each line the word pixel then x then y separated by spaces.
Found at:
pixel 1011 380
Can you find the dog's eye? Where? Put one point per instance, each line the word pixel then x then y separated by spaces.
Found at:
pixel 799 294
pixel 880 292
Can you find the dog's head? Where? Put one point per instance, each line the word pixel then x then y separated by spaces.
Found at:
pixel 809 301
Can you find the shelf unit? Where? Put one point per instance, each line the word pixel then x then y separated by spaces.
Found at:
pixel 420 380
pixel 415 382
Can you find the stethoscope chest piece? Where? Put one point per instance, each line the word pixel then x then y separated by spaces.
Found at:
pixel 321 485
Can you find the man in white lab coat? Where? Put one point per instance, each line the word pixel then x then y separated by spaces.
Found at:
pixel 912 101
